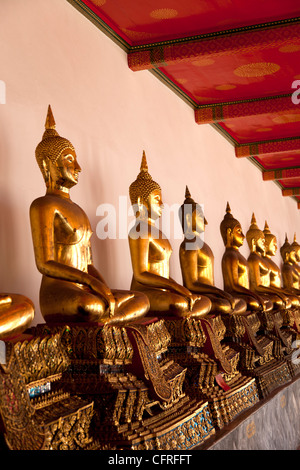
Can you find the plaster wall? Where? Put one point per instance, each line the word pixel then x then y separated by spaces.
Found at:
pixel 51 54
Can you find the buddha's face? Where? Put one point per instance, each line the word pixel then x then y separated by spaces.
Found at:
pixel 198 221
pixel 293 256
pixel 237 236
pixel 68 168
pixel 297 254
pixel 271 249
pixel 260 244
pixel 155 204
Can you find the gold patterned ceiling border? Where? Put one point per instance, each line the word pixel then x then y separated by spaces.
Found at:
pixel 281 173
pixel 267 147
pixel 214 46
pixel 215 34
pixel 291 191
pixel 219 112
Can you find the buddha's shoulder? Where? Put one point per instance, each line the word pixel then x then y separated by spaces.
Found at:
pixel 47 202
pixel 231 253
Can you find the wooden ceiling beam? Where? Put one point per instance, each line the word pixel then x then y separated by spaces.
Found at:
pixel 268 148
pixel 291 191
pixel 281 174
pixel 211 113
pixel 212 46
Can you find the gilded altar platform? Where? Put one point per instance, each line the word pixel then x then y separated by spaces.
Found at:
pixel 99 387
pixel 272 424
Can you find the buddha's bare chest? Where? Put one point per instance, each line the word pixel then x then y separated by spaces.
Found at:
pixel 71 225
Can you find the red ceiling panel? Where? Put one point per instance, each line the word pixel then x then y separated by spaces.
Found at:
pixel 276 162
pixel 237 63
pixel 146 21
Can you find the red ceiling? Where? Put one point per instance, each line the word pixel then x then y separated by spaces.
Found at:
pixel 234 61
pixel 147 21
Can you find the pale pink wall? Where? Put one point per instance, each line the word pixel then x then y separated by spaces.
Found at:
pixel 50 53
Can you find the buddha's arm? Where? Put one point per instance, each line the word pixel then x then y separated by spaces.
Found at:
pixel 259 287
pixel 139 249
pixel 231 278
pixel 42 222
pixel 288 279
pixel 295 279
pixel 189 268
pixel 94 271
pixel 255 268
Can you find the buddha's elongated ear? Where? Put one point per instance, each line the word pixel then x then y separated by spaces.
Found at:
pixel 229 236
pixel 141 209
pixel 46 171
pixel 189 220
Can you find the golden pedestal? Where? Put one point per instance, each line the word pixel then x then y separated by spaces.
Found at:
pixel 263 347
pixel 135 385
pixel 212 367
pixel 37 412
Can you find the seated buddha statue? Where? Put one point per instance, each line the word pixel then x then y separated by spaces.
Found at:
pixel 295 245
pixel 275 272
pixel 235 268
pixel 150 255
pixel 259 270
pixel 197 261
pixel 290 275
pixel 16 315
pixel 72 289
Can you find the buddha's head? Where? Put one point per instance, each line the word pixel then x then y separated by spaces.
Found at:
pixel 287 252
pixel 191 215
pixel 231 230
pixel 145 193
pixel 296 247
pixel 255 237
pixel 270 241
pixel 56 157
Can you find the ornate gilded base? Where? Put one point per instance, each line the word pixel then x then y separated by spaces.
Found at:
pixel 49 421
pixel 291 321
pixel 212 367
pixel 271 376
pixel 264 345
pixel 180 429
pixel 136 387
pixel 153 384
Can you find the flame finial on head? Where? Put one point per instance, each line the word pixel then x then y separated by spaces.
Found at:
pixel 144 185
pixel 52 144
pixel 144 164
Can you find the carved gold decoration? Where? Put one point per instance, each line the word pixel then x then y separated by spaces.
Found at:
pixel 58 421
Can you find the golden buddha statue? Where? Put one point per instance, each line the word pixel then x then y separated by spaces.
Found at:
pixel 150 254
pixel 259 270
pixel 289 270
pixel 275 272
pixel 72 289
pixel 16 315
pixel 295 245
pixel 197 261
pixel 235 267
